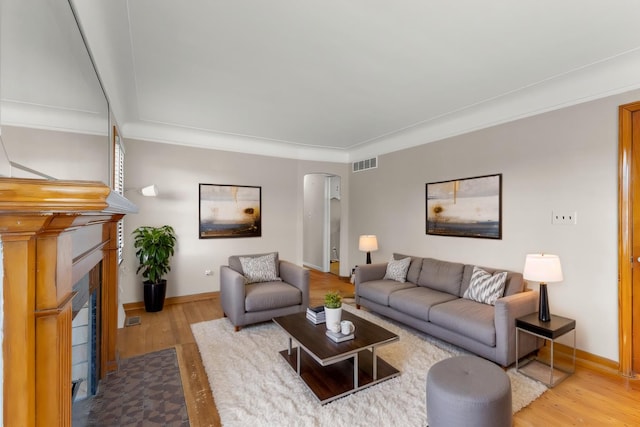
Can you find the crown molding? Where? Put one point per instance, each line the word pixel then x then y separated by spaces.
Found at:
pixel 605 78
pixel 177 135
pixel 22 114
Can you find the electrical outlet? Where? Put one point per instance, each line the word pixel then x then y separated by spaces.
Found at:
pixel 564 218
pixel 208 272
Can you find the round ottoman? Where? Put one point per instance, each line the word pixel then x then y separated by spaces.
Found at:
pixel 468 391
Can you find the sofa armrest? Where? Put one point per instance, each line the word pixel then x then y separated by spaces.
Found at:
pixel 507 310
pixel 366 273
pixel 232 294
pixel 296 276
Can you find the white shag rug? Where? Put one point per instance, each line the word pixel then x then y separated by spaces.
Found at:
pixel 254 386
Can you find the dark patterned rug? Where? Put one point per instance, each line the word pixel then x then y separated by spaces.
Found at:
pixel 145 391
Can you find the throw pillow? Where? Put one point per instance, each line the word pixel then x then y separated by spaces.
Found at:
pixel 485 287
pixel 397 269
pixel 259 269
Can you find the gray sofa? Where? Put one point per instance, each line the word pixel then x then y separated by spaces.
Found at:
pixel 247 303
pixel 431 300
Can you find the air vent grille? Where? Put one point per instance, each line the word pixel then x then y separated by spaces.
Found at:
pixel 363 165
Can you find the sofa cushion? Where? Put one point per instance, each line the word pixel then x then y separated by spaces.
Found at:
pixel 378 291
pixel 514 283
pixel 468 318
pixel 236 265
pixel 397 269
pixel 270 295
pixel 414 268
pixel 442 276
pixel 485 287
pixel 418 301
pixel 260 268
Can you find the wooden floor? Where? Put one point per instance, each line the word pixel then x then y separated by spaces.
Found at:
pixel 587 398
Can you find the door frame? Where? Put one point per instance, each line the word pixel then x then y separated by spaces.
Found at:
pixel 625 242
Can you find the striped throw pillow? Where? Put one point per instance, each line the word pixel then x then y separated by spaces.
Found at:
pixel 486 287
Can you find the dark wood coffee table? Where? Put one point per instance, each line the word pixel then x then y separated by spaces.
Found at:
pixel 332 370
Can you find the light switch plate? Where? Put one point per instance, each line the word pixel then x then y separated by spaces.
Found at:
pixel 564 218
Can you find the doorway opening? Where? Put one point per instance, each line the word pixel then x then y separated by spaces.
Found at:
pixel 322 222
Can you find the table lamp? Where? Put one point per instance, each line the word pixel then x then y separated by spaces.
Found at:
pixel 368 244
pixel 543 268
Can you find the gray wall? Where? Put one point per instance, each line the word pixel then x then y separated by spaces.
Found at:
pixel 177 171
pixel 564 160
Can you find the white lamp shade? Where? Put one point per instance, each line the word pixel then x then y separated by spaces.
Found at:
pixel 368 243
pixel 149 191
pixel 543 268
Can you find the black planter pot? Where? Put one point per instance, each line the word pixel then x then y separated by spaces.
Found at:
pixel 154 295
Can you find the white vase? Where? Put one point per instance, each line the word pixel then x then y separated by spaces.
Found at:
pixel 333 317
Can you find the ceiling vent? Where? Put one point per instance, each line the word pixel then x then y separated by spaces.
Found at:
pixel 363 165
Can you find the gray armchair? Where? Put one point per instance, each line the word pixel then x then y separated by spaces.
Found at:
pixel 247 303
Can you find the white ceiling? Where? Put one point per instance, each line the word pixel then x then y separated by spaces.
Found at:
pixel 343 80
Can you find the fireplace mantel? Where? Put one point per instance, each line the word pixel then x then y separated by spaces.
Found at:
pixel 37 222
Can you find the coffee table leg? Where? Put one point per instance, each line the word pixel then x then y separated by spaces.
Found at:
pixel 290 349
pixel 355 371
pixel 374 360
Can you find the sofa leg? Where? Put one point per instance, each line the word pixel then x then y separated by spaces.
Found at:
pixel 358 306
pixel 236 328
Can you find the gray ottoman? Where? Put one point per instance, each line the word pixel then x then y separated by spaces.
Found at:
pixel 466 391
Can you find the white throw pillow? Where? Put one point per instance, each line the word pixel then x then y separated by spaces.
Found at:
pixel 485 287
pixel 397 269
pixel 259 269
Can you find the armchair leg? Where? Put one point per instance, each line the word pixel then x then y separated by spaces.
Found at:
pixel 237 328
pixel 358 306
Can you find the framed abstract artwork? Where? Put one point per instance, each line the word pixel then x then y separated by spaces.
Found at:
pixel 469 207
pixel 230 211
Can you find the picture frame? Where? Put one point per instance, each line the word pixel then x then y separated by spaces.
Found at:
pixel 229 211
pixel 468 207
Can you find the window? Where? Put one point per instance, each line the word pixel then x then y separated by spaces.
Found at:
pixel 118 184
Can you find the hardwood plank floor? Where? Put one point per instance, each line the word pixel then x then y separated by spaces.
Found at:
pixel 589 397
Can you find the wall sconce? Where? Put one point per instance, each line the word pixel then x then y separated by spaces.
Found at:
pixel 368 244
pixel 148 191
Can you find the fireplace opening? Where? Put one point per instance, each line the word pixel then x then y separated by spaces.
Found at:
pixel 85 338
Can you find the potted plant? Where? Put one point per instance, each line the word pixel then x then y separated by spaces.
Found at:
pixel 333 310
pixel 154 248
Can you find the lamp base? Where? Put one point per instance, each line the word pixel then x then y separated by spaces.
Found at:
pixel 543 304
pixel 368 257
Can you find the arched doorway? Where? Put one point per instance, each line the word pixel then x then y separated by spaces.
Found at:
pixel 322 222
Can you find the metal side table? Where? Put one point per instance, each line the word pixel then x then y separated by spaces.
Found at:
pixel 547 373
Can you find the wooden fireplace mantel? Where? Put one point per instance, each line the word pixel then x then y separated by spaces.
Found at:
pixel 37 222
